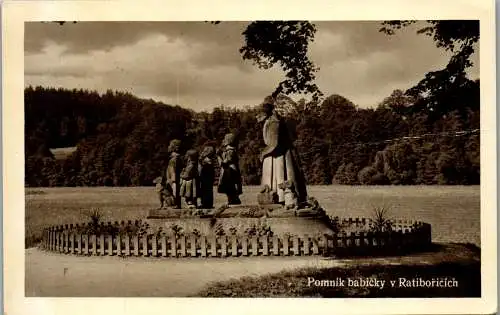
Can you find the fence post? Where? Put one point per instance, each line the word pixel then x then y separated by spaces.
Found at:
pixel 398 235
pixel 118 245
pixel 344 240
pixel 163 242
pixel 203 244
pixel 127 245
pixel 223 245
pixel 265 245
pixel 58 239
pixel 94 244
pixel 305 245
pixel 352 239
pixel 56 236
pixel 192 242
pixel 429 234
pixel 103 244
pixel 234 246
pixel 61 239
pixel 43 243
pixel 145 247
pixel 244 246
pixel 110 244
pixel 368 239
pixel 46 244
pixel 324 244
pixel 276 249
pixel 154 246
pixel 296 250
pixel 135 244
pixel 79 243
pixel 51 238
pixel 61 249
pixel 315 249
pixel 286 246
pixel 173 246
pixel 182 240
pixel 213 246
pixel 45 238
pixel 338 241
pixel 361 242
pixel 65 241
pixel 255 246
pixel 86 244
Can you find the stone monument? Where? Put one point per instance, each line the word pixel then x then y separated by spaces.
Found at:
pixel 282 207
pixel 190 180
pixel 206 172
pixel 230 177
pixel 173 171
pixel 282 176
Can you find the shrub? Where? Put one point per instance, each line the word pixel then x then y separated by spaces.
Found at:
pixel 177 230
pixel 381 221
pixel 219 230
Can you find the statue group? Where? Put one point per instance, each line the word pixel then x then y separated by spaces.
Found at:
pixel 192 177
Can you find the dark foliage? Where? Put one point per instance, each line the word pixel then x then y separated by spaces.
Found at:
pixel 447 89
pixel 122 140
pixel 284 43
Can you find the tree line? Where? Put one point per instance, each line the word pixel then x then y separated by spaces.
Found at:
pixel 122 140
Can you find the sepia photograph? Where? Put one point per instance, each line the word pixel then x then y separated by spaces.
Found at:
pixel 259 158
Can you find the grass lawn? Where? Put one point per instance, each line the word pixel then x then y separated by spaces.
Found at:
pixel 453 211
pixel 346 281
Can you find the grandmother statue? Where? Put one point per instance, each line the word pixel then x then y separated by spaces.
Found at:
pixel 281 170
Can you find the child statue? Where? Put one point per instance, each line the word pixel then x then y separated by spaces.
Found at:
pixel 190 179
pixel 230 177
pixel 173 172
pixel 207 175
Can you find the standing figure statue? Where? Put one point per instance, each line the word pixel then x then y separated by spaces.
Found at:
pixel 173 172
pixel 280 162
pixel 207 175
pixel 230 176
pixel 190 179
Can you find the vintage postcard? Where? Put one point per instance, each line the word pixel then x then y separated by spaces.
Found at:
pixel 284 157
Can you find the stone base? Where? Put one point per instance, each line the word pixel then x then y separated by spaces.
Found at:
pixel 242 211
pixel 239 220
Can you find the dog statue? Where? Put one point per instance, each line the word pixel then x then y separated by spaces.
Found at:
pixel 289 194
pixel 165 193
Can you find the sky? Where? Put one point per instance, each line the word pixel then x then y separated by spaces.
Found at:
pixel 198 65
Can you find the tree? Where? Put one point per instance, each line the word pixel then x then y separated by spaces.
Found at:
pixel 285 43
pixel 443 90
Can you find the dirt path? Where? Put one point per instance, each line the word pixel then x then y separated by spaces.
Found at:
pixel 51 274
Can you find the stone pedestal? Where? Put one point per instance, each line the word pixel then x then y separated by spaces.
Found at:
pixel 239 220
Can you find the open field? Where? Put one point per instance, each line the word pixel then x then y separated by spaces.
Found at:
pixel 453 211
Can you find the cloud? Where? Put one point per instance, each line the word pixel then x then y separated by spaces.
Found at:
pixel 365 65
pixel 83 37
pixel 198 65
pixel 155 66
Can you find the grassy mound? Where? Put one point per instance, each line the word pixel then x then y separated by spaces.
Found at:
pixel 295 283
pixel 457 262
